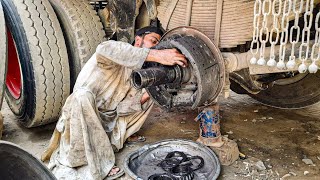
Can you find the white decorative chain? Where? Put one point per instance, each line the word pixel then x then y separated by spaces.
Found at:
pixel 255 35
pixel 280 35
pixel 294 29
pixel 264 31
pixel 274 30
pixel 305 42
pixel 313 68
pixel 284 33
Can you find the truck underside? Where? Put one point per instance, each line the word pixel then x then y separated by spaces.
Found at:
pixel 229 25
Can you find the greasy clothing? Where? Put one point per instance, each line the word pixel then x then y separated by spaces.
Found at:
pixel 103 110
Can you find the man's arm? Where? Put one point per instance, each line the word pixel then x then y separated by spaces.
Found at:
pixel 121 53
pixel 133 57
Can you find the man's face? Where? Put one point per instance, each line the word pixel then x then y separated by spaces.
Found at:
pixel 147 40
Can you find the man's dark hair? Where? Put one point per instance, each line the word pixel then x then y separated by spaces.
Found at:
pixel 148 30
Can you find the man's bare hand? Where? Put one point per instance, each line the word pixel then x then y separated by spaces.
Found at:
pixel 167 57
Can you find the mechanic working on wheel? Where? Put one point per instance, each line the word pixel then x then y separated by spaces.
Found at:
pixel 105 109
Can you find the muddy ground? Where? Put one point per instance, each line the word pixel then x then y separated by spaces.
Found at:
pixel 278 143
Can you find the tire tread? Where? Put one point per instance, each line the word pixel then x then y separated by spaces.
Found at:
pixel 49 59
pixel 86 25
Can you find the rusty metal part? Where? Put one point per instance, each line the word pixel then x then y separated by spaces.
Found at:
pixel 246 81
pixel 151 8
pixel 146 13
pixel 124 13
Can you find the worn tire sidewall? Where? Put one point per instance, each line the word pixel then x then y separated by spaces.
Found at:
pixel 70 38
pixel 3 54
pixel 24 106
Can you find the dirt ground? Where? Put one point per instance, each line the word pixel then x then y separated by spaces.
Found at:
pixel 279 143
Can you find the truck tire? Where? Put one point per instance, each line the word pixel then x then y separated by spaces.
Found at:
pixel 3 61
pixel 3 55
pixel 82 29
pixel 291 93
pixel 38 78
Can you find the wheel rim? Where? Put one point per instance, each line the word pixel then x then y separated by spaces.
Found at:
pixel 13 79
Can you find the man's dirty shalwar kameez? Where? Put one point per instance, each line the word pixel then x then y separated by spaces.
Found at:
pixel 103 111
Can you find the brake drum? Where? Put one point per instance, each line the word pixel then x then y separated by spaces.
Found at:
pixel 145 162
pixel 203 79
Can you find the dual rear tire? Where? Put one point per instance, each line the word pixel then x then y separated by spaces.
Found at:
pixel 38 79
pixel 40 49
pixel 82 29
